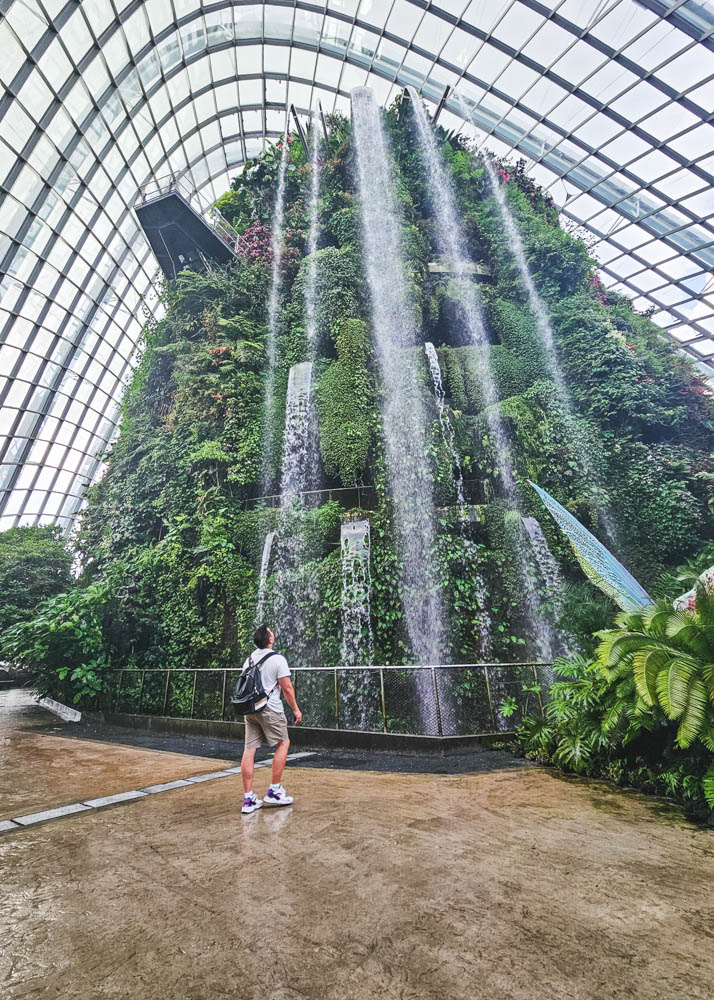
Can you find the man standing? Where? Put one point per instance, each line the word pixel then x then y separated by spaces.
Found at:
pixel 269 727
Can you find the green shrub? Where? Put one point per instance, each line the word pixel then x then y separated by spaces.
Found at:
pixel 64 644
pixel 345 402
pixel 35 564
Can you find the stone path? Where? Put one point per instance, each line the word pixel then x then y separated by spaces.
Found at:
pixel 511 884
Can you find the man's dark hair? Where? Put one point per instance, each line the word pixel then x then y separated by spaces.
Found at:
pixel 261 637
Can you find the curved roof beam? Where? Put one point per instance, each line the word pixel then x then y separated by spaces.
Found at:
pixel 103 98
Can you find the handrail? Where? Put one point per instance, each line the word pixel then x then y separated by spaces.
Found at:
pixel 275 498
pixel 174 183
pixel 469 703
pixel 366 666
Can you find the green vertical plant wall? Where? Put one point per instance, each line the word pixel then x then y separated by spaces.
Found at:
pixel 177 524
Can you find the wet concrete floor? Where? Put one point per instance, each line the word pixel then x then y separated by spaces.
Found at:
pixel 507 884
pixel 43 769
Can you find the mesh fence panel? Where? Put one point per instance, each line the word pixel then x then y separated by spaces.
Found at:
pixel 209 695
pixel 180 693
pixel 410 702
pixel 316 697
pixel 152 701
pixel 463 700
pixel 510 702
pixel 315 693
pixel 231 679
pixel 106 699
pixel 128 698
pixel 448 701
pixel 359 699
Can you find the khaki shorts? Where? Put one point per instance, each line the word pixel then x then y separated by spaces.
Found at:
pixel 265 728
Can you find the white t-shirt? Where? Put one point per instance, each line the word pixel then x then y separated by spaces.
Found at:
pixel 274 668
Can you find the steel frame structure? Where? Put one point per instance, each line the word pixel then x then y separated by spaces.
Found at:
pixel 609 101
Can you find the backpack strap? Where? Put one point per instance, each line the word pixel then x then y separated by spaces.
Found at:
pixel 260 664
pixel 267 656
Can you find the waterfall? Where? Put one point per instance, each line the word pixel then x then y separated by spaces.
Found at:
pixel 297 585
pixel 311 283
pixel 537 306
pixel 451 245
pixel 447 429
pixel 550 574
pixel 298 458
pixel 469 548
pixel 450 242
pixel 547 563
pixel 269 429
pixel 545 333
pixel 356 586
pixel 403 413
pixel 264 564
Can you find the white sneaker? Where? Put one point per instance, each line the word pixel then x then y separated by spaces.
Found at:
pixel 277 797
pixel 251 803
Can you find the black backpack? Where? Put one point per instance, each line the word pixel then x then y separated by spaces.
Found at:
pixel 250 696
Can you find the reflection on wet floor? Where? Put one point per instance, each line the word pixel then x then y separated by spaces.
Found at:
pixel 389 885
pixel 41 770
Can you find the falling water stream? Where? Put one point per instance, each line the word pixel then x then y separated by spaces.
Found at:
pixel 298 458
pixel 403 413
pixel 545 333
pixel 547 563
pixel 552 579
pixel 451 246
pixel 447 428
pixel 470 549
pixel 313 215
pixel 269 428
pixel 297 586
pixel 263 579
pixel 356 589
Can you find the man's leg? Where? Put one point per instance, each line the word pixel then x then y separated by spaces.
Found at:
pixel 279 758
pixel 246 769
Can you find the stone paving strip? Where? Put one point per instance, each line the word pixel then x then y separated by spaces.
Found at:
pixel 18 822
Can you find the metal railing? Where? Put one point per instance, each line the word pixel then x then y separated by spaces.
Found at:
pixel 364 497
pixel 473 699
pixel 176 184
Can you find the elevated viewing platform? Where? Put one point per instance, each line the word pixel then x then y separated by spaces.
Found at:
pixel 183 228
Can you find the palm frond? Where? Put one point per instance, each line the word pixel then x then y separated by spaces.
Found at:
pixel 663 692
pixel 570 666
pixel 707 735
pixel 708 678
pixel 646 666
pixel 685 629
pixel 694 715
pixel 615 647
pixel 655 618
pixel 613 716
pixel 681 675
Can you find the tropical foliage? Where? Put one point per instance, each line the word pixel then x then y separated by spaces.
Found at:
pixel 171 539
pixel 642 711
pixel 35 564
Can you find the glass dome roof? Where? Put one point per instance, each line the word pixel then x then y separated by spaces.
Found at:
pixel 609 100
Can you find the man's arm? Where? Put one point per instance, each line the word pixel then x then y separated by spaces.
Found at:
pixel 286 686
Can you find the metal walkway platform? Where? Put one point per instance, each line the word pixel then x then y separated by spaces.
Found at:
pixel 183 229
